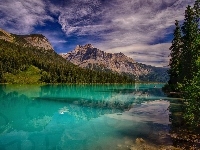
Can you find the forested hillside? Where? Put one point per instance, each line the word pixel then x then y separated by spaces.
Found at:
pixel 31 64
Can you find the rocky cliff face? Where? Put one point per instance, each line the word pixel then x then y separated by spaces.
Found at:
pixel 39 41
pixel 6 36
pixel 35 40
pixel 89 57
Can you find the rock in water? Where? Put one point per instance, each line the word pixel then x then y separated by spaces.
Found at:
pixel 139 141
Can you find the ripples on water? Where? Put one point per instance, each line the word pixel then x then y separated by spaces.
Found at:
pixel 82 116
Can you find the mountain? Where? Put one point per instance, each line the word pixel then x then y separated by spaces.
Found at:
pixel 35 40
pixel 31 59
pixel 90 57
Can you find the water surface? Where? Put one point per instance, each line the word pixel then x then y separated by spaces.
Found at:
pixel 69 117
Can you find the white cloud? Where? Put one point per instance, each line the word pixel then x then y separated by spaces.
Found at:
pixel 120 24
pixel 155 55
pixel 78 17
pixel 54 37
pixel 20 16
pixel 55 41
pixel 127 26
pixel 138 21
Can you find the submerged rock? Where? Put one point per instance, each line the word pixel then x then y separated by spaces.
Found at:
pixel 141 144
pixel 139 141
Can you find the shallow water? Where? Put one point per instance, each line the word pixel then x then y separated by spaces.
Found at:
pixel 80 117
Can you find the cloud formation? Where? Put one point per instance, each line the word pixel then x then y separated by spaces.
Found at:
pixel 123 24
pixel 112 25
pixel 21 16
pixel 156 55
pixel 138 21
pixel 78 17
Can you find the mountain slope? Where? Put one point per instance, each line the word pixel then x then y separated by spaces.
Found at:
pixel 31 59
pixel 89 57
pixel 32 40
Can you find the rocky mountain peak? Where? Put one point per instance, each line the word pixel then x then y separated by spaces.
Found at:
pixel 88 56
pixel 120 54
pixel 85 47
pixel 89 49
pixel 89 46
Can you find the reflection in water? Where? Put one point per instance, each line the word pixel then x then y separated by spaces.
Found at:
pixel 81 116
pixel 63 110
pixel 41 122
pixel 181 135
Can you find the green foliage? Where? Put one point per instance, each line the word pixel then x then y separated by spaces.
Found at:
pixel 197 11
pixel 2 78
pixel 30 76
pixel 189 53
pixel 17 63
pixel 185 64
pixel 20 40
pixel 185 49
pixel 192 98
pixel 175 56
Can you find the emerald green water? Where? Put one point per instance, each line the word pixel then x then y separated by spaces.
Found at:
pixel 76 117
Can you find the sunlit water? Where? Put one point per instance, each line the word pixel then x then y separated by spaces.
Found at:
pixel 76 117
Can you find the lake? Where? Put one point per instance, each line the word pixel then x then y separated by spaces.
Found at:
pixel 83 117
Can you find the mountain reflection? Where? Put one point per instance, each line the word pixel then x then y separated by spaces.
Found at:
pixel 83 102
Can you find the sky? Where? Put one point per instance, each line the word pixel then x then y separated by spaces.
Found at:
pixel 141 29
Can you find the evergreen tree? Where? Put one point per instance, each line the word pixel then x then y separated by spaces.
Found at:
pixel 175 57
pixel 185 64
pixel 192 98
pixel 189 53
pixel 197 11
pixel 197 20
pixel 191 90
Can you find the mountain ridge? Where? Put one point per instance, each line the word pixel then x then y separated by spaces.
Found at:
pixel 30 59
pixel 35 40
pixel 88 56
pixel 85 64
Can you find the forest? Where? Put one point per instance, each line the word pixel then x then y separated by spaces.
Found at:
pixel 28 64
pixel 184 65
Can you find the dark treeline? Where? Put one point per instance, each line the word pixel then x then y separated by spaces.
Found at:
pixel 15 58
pixel 185 64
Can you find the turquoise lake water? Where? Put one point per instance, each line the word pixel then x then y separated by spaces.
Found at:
pixel 82 117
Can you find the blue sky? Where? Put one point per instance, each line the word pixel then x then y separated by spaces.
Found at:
pixel 141 29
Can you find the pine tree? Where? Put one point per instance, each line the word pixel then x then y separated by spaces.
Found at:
pixel 185 64
pixel 197 11
pixel 189 53
pixel 192 94
pixel 197 20
pixel 175 56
